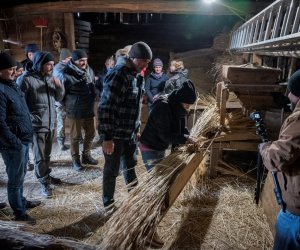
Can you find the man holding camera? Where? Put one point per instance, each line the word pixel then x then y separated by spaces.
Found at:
pixel 283 156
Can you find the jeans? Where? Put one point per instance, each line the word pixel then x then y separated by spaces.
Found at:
pixel 151 158
pixel 60 118
pixel 124 153
pixel 16 167
pixel 287 236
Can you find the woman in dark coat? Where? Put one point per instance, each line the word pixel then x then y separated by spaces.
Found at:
pixel 166 124
pixel 155 82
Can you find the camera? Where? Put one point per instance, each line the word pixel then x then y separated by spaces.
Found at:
pixel 260 126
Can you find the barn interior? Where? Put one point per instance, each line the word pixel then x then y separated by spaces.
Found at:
pixel 239 54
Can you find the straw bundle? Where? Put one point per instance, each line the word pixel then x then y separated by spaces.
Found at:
pixel 135 221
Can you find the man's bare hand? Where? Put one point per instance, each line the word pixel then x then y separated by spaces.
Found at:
pixel 56 82
pixel 108 147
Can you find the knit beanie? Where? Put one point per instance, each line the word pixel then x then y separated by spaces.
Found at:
pixel 31 47
pixel 7 61
pixel 64 53
pixel 79 54
pixel 47 58
pixel 140 50
pixel 186 94
pixel 294 83
pixel 157 62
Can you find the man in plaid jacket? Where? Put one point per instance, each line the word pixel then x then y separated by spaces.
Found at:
pixel 119 118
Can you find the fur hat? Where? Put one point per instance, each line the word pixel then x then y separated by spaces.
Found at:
pixel 294 84
pixel 187 93
pixel 140 50
pixel 157 62
pixel 64 53
pixel 79 54
pixel 31 47
pixel 7 61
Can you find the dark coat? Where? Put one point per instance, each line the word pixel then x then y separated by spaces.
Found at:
pixel 154 85
pixel 165 125
pixel 176 81
pixel 79 91
pixel 15 123
pixel 40 95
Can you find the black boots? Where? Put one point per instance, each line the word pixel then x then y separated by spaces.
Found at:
pixel 88 159
pixel 26 218
pixel 76 165
pixel 61 144
pixel 32 204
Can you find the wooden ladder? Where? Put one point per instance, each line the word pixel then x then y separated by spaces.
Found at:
pixel 275 28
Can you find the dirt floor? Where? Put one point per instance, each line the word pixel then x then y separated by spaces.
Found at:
pixel 217 214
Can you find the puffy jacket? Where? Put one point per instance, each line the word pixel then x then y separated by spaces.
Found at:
pixel 16 128
pixel 154 85
pixel 176 81
pixel 165 125
pixel 283 156
pixel 40 95
pixel 80 91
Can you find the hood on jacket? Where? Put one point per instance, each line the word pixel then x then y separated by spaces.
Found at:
pixel 38 60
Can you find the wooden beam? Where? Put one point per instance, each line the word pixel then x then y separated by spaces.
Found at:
pixel 243 8
pixel 181 179
pixel 69 30
pixel 268 88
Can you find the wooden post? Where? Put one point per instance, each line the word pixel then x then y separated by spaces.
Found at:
pixel 215 155
pixel 224 96
pixel 69 30
pixel 257 60
pixel 218 93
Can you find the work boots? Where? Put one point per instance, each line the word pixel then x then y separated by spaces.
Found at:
pixel 26 218
pixel 88 159
pixel 76 164
pixel 61 144
pixel 47 190
pixel 46 186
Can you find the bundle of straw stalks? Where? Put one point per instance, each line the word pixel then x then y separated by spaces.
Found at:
pixel 134 223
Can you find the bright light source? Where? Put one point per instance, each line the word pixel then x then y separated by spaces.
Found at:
pixel 208 1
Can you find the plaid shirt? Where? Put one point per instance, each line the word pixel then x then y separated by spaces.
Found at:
pixel 120 102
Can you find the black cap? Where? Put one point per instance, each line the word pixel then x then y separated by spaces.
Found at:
pixel 7 61
pixel 79 54
pixel 294 84
pixel 186 94
pixel 31 47
pixel 140 50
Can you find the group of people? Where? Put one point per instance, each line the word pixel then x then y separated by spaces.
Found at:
pixel 31 102
pixel 45 93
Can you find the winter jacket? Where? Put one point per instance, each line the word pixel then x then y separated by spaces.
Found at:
pixel 154 85
pixel 165 125
pixel 80 91
pixel 16 128
pixel 120 102
pixel 176 81
pixel 40 95
pixel 58 72
pixel 283 156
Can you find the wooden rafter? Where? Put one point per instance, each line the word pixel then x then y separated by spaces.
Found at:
pixel 146 6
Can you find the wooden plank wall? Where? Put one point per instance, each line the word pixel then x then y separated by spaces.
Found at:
pixel 22 31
